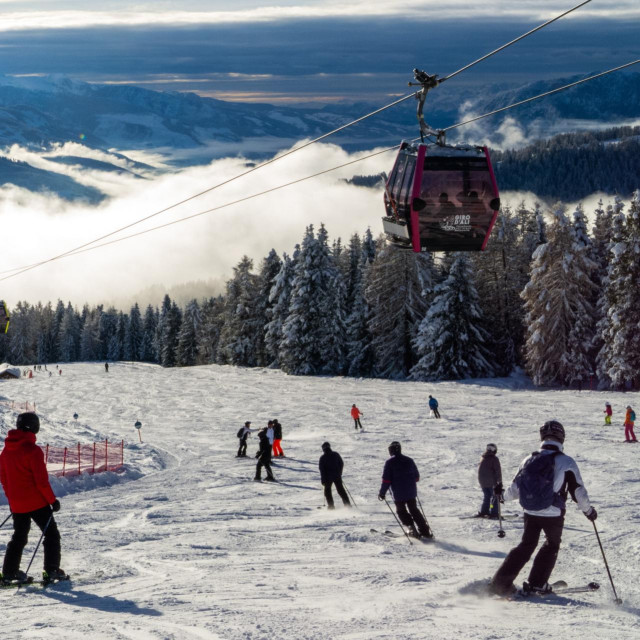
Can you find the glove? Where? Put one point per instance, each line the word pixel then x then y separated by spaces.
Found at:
pixel 55 507
pixel 381 497
pixel 592 514
pixel 498 490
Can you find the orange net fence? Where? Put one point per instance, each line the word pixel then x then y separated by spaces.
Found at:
pixel 19 406
pixel 84 458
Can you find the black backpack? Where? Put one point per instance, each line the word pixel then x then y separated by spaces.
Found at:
pixel 240 432
pixel 535 481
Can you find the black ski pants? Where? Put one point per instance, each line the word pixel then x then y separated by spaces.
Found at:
pixel 412 517
pixel 341 492
pixel 242 449
pixel 267 467
pixel 545 559
pixel 21 527
pixel 436 413
pixel 357 423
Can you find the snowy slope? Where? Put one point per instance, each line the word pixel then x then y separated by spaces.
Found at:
pixel 191 548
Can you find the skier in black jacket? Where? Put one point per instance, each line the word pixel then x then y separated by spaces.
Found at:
pixel 401 475
pixel 264 458
pixel 331 466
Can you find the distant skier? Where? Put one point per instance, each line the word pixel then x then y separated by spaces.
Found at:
pixel 277 438
pixel 401 475
pixel 106 367
pixel 355 414
pixel 433 405
pixel 541 484
pixel 489 475
pixel 331 466
pixel 629 421
pixel 243 434
pixel 264 457
pixel 270 432
pixel 608 412
pixel 25 480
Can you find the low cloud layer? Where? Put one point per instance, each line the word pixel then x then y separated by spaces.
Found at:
pixel 201 249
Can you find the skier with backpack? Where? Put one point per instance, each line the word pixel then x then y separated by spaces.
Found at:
pixel 243 434
pixel 629 420
pixel 541 484
pixel 331 465
pixel 401 475
pixel 25 481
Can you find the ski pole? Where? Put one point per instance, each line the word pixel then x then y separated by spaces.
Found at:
pixel 5 520
pixel 350 496
pixel 423 514
pixel 398 521
pixel 616 600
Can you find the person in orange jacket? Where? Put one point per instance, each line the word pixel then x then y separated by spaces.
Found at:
pixel 25 481
pixel 629 421
pixel 355 414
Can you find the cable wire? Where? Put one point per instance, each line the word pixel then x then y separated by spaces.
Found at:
pixel 504 46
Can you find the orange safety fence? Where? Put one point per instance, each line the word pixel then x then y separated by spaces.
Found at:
pixel 19 406
pixel 84 458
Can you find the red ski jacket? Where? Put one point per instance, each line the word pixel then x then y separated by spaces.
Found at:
pixel 355 413
pixel 23 473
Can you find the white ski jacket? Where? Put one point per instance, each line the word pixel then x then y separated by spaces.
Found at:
pixel 566 478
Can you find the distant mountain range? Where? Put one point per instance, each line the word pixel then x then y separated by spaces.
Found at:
pixel 41 112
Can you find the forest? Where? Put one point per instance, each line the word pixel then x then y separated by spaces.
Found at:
pixel 548 295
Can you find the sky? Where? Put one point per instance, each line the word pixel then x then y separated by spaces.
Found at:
pixel 290 52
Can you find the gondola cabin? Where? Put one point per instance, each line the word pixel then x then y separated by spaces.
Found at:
pixel 4 317
pixel 441 198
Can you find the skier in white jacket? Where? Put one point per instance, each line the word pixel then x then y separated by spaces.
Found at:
pixel 543 499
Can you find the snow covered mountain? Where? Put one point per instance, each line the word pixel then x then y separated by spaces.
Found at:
pixel 184 545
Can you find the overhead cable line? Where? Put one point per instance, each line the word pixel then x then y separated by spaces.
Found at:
pixel 504 46
pixel 542 95
pixel 302 146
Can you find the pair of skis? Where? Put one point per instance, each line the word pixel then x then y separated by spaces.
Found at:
pixel 393 534
pixel 558 588
pixel 31 582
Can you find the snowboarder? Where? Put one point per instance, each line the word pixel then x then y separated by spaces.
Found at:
pixel 433 405
pixel 243 434
pixel 355 414
pixel 25 480
pixel 264 457
pixel 608 411
pixel 629 421
pixel 541 485
pixel 331 466
pixel 277 437
pixel 489 475
pixel 401 475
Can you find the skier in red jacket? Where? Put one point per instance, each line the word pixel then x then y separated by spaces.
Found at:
pixel 25 481
pixel 355 414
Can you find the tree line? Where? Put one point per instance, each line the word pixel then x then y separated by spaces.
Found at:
pixel 548 294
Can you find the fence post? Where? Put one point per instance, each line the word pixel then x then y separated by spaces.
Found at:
pixel 93 468
pixel 106 454
pixel 79 469
pixel 64 462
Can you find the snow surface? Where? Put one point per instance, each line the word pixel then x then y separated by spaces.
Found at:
pixel 184 545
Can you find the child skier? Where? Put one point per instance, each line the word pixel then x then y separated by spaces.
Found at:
pixel 608 411
pixel 629 421
pixel 243 434
pixel 489 475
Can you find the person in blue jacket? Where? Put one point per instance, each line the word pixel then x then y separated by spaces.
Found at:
pixel 433 405
pixel 401 476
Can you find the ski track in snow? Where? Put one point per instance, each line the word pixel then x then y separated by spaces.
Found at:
pixel 184 545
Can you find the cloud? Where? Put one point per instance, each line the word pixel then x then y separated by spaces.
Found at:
pixel 204 248
pixel 145 14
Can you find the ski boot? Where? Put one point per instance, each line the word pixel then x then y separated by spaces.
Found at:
pixel 19 577
pixel 529 589
pixel 54 575
pixel 269 479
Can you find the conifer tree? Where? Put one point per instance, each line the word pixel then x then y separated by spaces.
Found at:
pixel 279 298
pixel 208 335
pixel 133 335
pixel 187 349
pixel 69 335
pixel 149 327
pixel 267 277
pixel 451 341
